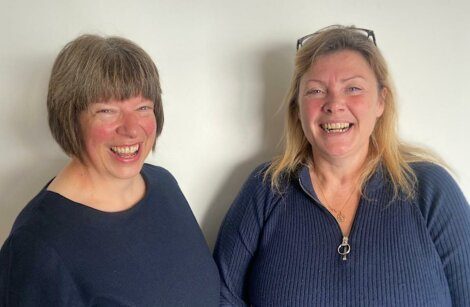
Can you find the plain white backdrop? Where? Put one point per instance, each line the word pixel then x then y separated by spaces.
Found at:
pixel 225 67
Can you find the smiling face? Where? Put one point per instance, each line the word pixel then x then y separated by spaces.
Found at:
pixel 339 103
pixel 118 136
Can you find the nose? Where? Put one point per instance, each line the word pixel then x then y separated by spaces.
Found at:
pixel 129 125
pixel 334 103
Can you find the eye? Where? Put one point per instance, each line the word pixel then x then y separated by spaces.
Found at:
pixel 104 111
pixel 354 89
pixel 314 92
pixel 145 110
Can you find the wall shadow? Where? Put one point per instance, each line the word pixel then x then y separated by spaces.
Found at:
pixel 276 70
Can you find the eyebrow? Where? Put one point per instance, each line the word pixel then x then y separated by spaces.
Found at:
pixel 353 77
pixel 342 80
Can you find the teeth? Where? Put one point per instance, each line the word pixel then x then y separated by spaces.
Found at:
pixel 336 127
pixel 125 150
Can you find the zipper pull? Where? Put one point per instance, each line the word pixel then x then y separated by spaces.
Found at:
pixel 344 248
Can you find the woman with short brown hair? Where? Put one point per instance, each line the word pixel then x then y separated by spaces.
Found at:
pixel 108 230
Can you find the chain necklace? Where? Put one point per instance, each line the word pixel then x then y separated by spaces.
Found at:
pixel 338 213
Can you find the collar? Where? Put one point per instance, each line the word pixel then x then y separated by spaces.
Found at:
pixel 377 180
pixel 305 181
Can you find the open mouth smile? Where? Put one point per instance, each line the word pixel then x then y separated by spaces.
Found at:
pixel 126 151
pixel 336 127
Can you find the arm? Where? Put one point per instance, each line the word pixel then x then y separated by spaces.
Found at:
pixel 32 274
pixel 448 219
pixel 238 239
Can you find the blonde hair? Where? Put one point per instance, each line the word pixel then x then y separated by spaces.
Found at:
pixel 385 148
pixel 93 69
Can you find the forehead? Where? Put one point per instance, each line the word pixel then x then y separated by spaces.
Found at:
pixel 139 98
pixel 344 64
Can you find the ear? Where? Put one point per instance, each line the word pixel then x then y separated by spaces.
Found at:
pixel 381 101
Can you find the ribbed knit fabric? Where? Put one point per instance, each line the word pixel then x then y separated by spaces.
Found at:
pixel 281 250
pixel 62 253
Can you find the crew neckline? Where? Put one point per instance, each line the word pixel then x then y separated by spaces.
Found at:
pixel 132 209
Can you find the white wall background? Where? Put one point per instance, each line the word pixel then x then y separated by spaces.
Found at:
pixel 225 66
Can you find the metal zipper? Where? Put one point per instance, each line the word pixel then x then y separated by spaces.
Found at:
pixel 344 248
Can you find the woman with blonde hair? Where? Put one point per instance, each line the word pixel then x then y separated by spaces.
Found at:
pixel 348 215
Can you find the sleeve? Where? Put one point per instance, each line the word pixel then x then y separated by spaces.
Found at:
pixel 238 240
pixel 32 274
pixel 447 215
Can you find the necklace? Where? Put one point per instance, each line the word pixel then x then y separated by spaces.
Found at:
pixel 339 215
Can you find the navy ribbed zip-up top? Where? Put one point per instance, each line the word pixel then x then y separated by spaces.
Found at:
pixel 282 249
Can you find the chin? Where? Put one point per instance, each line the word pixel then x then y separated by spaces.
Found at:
pixel 335 151
pixel 127 171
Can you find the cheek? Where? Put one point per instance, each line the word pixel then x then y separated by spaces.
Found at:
pixel 307 115
pixel 97 134
pixel 149 125
pixel 309 112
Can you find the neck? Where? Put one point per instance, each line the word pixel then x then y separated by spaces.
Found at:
pixel 337 172
pixel 85 185
pixel 335 182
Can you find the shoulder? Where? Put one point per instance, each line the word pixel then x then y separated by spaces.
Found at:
pixel 35 225
pixel 435 180
pixel 437 192
pixel 256 198
pixel 158 175
pixel 33 214
pixel 25 242
pixel 157 172
pixel 163 185
pixel 256 179
pixel 257 184
pixel 427 171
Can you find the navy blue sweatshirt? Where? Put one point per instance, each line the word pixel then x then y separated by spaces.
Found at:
pixel 282 249
pixel 61 253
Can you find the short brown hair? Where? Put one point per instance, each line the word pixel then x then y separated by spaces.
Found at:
pixel 93 69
